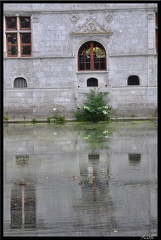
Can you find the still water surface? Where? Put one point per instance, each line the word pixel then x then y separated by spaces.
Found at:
pixel 80 179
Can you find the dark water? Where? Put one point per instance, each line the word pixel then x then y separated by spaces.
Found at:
pixel 80 179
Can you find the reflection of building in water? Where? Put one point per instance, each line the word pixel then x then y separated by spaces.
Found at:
pixel 23 206
pixel 94 174
pixel 96 198
pixel 128 203
pixel 94 171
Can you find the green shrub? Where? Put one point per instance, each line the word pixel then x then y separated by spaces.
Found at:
pixel 95 108
pixel 59 118
pixel 34 120
pixel 48 120
pixel 6 117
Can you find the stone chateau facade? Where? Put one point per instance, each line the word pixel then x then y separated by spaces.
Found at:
pixel 56 52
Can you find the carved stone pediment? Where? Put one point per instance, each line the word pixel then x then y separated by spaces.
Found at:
pixel 91 27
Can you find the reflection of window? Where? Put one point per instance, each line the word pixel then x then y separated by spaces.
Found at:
pixel 16 207
pixel 134 157
pixel 20 83
pixel 133 80
pixel 83 170
pixel 92 56
pixel 22 160
pixel 30 208
pixel 23 206
pixel 93 157
pixel 92 82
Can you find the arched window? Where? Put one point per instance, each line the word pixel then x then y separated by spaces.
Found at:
pixel 133 80
pixel 20 83
pixel 91 56
pixel 92 82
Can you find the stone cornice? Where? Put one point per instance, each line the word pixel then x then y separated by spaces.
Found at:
pixel 60 57
pixel 76 9
pixel 90 34
pixel 132 55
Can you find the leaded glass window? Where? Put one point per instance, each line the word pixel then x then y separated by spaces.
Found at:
pixel 11 23
pixel 25 23
pixel 92 56
pixel 18 39
pixel 12 44
pixel 26 44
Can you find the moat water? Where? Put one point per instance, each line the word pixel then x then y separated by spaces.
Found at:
pixel 80 179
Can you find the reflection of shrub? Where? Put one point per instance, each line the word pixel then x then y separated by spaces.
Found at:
pixel 34 120
pixel 95 135
pixel 155 113
pixel 6 117
pixel 94 108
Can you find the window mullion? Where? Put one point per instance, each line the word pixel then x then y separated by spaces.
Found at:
pixel 91 56
pixel 18 37
pixel 5 45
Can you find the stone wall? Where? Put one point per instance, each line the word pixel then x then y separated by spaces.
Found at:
pixel 126 31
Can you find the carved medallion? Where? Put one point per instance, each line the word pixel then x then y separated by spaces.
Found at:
pixel 35 19
pixel 74 18
pixel 150 16
pixel 109 18
pixel 91 27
